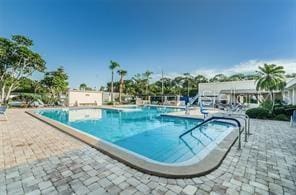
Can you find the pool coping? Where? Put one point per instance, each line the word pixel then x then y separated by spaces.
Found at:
pixel 209 163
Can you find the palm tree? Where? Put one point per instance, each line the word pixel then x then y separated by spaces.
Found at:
pixel 122 74
pixel 271 77
pixel 113 65
pixel 147 77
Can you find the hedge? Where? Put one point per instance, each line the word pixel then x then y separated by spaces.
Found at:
pixel 280 112
pixel 281 117
pixel 259 113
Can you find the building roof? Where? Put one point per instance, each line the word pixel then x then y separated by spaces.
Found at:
pixel 291 84
pixel 242 91
pixel 239 87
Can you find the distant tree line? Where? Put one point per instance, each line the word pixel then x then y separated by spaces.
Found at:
pixel 184 85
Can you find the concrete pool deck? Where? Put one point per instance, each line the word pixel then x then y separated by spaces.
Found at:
pixel 37 158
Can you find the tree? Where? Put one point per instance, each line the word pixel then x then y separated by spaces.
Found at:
pixel 139 84
pixel 156 88
pixel 36 85
pixel 219 78
pixel 56 82
pixel 188 80
pixel 271 77
pixel 122 74
pixel 237 77
pixel 253 76
pixel 178 83
pixel 130 87
pixel 199 79
pixel 17 60
pixel 147 78
pixel 82 86
pixel 113 65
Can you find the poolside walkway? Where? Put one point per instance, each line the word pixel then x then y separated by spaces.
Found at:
pixel 37 158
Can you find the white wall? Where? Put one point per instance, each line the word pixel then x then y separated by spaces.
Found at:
pixel 291 91
pixel 80 98
pixel 292 95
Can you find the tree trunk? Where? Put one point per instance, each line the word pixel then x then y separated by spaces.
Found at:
pixel 3 93
pixel 112 86
pixel 147 89
pixel 272 100
pixel 120 88
pixel 188 88
pixel 8 93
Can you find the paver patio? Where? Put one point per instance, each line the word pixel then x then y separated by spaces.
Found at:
pixel 37 158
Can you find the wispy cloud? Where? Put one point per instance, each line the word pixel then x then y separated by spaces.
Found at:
pixel 246 67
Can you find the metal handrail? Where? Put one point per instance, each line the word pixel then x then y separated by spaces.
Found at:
pixel 217 118
pixel 246 118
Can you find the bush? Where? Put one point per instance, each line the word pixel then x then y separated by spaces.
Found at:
pixel 267 104
pixel 284 109
pixel 46 99
pixel 259 113
pixel 281 117
pixel 279 110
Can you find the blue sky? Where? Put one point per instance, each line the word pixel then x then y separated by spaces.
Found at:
pixel 206 36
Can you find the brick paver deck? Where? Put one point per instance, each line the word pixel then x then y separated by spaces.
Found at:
pixel 37 158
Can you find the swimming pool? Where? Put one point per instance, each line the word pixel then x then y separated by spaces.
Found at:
pixel 144 137
pixel 145 131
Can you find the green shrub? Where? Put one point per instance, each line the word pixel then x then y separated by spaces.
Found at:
pixel 279 110
pixel 281 117
pixel 289 111
pixel 259 113
pixel 46 99
pixel 109 103
pixel 267 104
pixel 284 109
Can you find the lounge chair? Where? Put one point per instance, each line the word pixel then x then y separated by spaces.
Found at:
pixel 3 112
pixel 293 119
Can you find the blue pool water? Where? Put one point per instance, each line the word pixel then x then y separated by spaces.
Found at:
pixel 143 130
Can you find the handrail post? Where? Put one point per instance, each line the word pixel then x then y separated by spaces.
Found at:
pixel 239 138
pixel 246 128
pixel 247 123
pixel 249 133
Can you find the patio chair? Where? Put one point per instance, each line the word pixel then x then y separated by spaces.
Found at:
pixel 203 110
pixel 3 112
pixel 293 119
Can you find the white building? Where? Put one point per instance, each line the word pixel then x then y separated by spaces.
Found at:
pixel 290 92
pixel 243 92
pixel 84 98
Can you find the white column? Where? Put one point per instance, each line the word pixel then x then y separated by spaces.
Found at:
pixel 294 96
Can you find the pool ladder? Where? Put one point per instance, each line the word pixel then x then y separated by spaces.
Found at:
pixel 240 129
